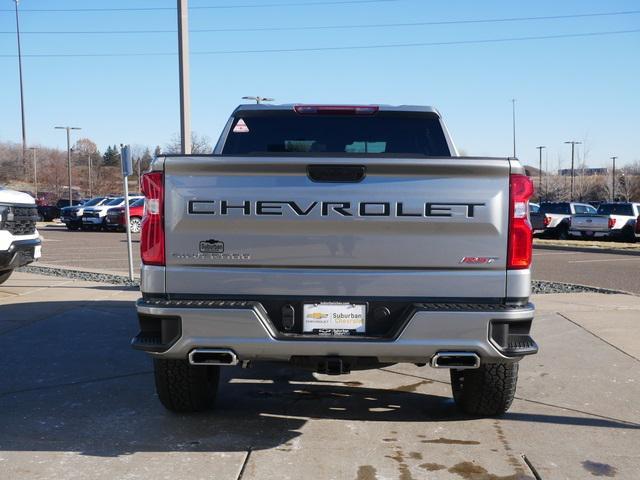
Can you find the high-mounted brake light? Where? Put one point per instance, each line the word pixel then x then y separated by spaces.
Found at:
pixel 611 223
pixel 336 109
pixel 152 237
pixel 520 244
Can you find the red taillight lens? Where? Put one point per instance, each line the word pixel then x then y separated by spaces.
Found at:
pixel 547 220
pixel 336 109
pixel 152 237
pixel 611 223
pixel 520 233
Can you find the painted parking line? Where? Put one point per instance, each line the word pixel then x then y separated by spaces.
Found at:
pixel 605 260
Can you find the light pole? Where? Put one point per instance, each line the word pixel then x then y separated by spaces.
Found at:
pixel 69 157
pixel 259 99
pixel 89 162
pixel 540 148
pixel 573 144
pixel 513 116
pixel 24 132
pixel 183 68
pixel 613 180
pixel 35 171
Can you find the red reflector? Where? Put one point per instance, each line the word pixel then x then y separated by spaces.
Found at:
pixel 612 222
pixel 520 232
pixel 336 109
pixel 152 235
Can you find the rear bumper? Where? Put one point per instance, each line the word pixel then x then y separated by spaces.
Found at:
pixel 172 329
pixel 20 253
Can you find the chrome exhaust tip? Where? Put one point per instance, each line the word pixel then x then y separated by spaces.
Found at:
pixel 457 360
pixel 212 356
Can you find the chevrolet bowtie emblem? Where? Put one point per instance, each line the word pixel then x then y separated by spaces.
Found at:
pixel 317 315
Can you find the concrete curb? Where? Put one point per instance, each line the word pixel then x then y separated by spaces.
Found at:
pixel 615 251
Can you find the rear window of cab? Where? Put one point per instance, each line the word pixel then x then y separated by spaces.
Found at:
pixel 381 133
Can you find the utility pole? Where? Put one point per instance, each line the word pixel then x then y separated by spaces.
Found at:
pixel 513 116
pixel 613 180
pixel 183 60
pixel 35 171
pixel 258 99
pixel 573 144
pixel 68 129
pixel 89 162
pixel 540 148
pixel 24 131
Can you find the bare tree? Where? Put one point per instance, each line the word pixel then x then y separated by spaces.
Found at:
pixel 199 144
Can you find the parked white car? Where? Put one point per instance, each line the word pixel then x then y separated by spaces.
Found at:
pixel 19 239
pixel 618 220
pixel 95 217
pixel 557 223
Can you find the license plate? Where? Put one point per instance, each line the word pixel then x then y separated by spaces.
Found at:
pixel 588 232
pixel 333 319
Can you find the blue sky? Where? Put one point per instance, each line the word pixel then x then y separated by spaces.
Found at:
pixel 581 88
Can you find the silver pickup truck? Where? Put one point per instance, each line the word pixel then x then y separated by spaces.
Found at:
pixel 336 238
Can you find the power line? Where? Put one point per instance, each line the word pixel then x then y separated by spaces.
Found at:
pixel 338 27
pixel 336 48
pixel 204 7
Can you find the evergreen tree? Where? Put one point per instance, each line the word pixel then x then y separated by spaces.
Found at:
pixel 111 157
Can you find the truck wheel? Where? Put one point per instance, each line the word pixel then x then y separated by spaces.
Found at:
pixel 183 387
pixel 563 232
pixel 486 391
pixel 628 235
pixel 135 224
pixel 4 275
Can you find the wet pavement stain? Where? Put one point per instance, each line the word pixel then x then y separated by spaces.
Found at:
pixel 513 461
pixel 366 472
pixel 432 467
pixel 413 386
pixel 415 455
pixel 451 441
pixel 403 468
pixel 389 439
pixel 599 469
pixel 471 471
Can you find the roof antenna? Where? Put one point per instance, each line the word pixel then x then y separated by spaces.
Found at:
pixel 259 99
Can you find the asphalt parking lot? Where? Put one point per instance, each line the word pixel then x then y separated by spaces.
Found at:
pixel 104 251
pixel 616 271
pixel 77 402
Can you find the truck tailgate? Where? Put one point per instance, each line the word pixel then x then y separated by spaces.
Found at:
pixel 238 225
pixel 593 223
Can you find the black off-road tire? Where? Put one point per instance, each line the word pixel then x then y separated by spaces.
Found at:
pixel 4 275
pixel 183 387
pixel 628 235
pixel 485 391
pixel 563 232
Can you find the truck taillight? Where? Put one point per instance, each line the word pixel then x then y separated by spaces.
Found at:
pixel 520 246
pixel 611 223
pixel 152 237
pixel 547 220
